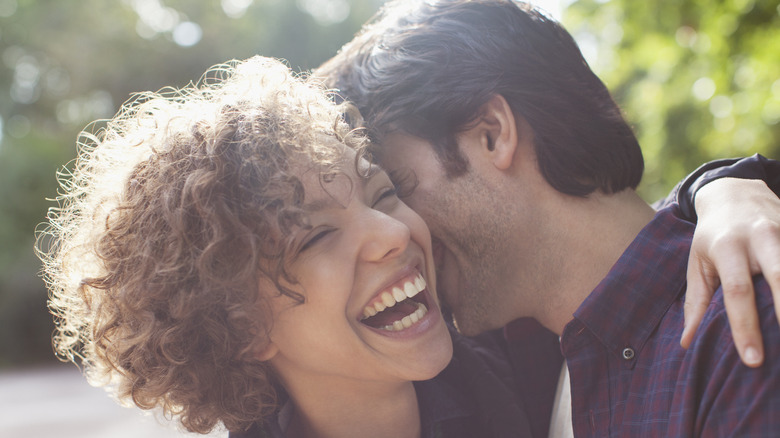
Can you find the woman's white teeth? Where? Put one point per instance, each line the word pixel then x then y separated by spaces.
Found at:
pixel 387 299
pixel 408 320
pixel 399 294
pixel 395 295
pixel 410 290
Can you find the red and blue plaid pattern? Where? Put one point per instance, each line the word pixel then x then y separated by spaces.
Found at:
pixel 629 375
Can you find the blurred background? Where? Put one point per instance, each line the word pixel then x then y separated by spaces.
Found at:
pixel 698 79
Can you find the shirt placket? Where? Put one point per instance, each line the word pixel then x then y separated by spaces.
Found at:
pixel 589 372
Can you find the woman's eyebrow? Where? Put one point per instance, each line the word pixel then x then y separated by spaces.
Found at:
pixel 327 202
pixel 373 171
pixel 320 204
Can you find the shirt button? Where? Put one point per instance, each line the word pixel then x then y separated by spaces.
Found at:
pixel 628 353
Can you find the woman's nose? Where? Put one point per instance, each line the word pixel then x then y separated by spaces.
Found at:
pixel 384 236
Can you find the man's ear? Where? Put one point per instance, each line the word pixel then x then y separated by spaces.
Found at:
pixel 498 131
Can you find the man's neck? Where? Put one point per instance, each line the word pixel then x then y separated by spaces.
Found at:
pixel 595 231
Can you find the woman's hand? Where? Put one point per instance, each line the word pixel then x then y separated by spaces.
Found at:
pixel 737 236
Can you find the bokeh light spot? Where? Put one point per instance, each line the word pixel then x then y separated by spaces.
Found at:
pixel 18 126
pixel 721 106
pixel 703 88
pixel 325 12
pixel 8 8
pixel 685 36
pixel 24 88
pixel 236 8
pixel 187 34
pixel 771 112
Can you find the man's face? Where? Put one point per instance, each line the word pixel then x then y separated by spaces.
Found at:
pixel 470 233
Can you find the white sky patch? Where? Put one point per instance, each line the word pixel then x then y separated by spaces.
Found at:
pixel 554 8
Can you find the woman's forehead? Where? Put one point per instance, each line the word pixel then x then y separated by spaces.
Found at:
pixel 334 186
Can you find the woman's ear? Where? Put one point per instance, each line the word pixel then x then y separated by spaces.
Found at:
pixel 268 352
pixel 268 291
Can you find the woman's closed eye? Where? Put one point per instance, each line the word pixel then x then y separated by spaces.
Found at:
pixel 314 237
pixel 386 199
pixel 387 193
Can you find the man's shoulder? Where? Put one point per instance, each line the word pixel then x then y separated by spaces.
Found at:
pixel 714 333
pixel 727 394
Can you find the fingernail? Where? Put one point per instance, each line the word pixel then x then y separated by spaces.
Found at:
pixel 751 355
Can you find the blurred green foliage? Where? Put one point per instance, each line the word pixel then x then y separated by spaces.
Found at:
pixel 698 79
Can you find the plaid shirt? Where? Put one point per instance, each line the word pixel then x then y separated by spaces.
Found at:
pixel 629 375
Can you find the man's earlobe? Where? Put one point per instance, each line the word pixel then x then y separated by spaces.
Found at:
pixel 501 135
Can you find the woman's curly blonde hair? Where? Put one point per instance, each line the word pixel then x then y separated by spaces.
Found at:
pixel 171 216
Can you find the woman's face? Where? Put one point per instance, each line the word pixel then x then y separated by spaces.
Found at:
pixel 366 271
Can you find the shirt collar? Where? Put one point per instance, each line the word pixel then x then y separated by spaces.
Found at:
pixel 440 401
pixel 627 305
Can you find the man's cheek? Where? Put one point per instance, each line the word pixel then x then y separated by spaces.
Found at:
pixel 446 277
pixel 438 253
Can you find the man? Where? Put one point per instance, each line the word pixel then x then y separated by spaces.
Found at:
pixel 525 170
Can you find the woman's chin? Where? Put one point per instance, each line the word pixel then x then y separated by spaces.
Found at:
pixel 435 360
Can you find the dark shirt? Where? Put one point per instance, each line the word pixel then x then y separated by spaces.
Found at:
pixel 629 375
pixel 444 412
pixel 472 397
pixel 754 167
pixel 535 355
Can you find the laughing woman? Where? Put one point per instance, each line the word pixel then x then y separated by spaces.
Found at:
pixel 227 253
